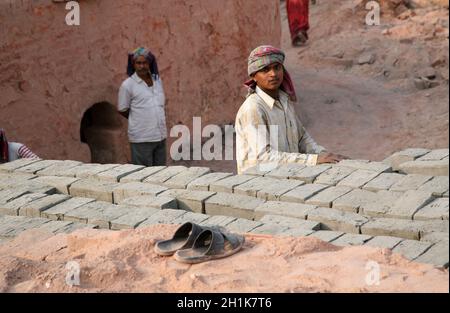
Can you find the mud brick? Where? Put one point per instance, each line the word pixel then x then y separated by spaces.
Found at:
pixel 327 235
pixel 358 178
pixel 116 173
pixel 90 188
pixel 132 219
pixel 353 200
pixel 34 208
pixel 290 222
pixel 387 242
pixel 334 175
pixel 13 207
pixel 160 177
pixel 57 212
pixel 338 220
pixel 242 225
pixel 163 217
pixel 190 217
pixel 57 168
pixel 269 229
pixel 384 202
pixel 183 179
pixel 366 165
pixel 434 168
pixel 412 249
pixel 435 155
pixel 232 205
pixel 87 170
pixel 61 184
pixel 218 220
pixel 285 171
pixel 203 182
pixel 302 193
pixel 140 175
pixel 228 184
pixel 351 240
pixel 438 209
pixel 383 182
pixel 16 164
pixel 438 186
pixel 309 173
pixel 404 156
pixel 326 197
pixel 296 210
pixel 410 182
pixel 135 189
pixel 85 212
pixel 409 203
pixel 34 167
pixel 437 255
pixel 158 202
pixel 252 187
pixel 189 200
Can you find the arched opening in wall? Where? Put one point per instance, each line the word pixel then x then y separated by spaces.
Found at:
pixel 101 129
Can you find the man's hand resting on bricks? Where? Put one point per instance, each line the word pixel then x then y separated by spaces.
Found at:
pixel 326 157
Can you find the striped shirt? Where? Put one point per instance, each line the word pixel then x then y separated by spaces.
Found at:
pixel 268 131
pixel 20 151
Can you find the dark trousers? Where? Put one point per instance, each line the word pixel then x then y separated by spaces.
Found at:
pixel 149 153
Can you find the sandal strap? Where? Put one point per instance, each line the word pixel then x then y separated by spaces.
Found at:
pixel 217 241
pixel 188 230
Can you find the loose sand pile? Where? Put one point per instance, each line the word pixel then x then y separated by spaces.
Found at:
pixel 124 261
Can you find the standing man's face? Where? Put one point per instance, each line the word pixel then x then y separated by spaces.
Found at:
pixel 270 78
pixel 141 65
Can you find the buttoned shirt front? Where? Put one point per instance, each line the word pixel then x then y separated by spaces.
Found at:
pixel 147 120
pixel 269 131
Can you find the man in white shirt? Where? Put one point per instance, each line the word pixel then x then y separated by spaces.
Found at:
pixel 142 101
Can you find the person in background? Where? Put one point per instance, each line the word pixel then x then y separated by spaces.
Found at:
pixel 11 151
pixel 298 18
pixel 142 101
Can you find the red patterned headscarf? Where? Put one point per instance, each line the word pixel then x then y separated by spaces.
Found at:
pixel 262 57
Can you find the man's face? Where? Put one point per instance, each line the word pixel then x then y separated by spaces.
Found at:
pixel 270 77
pixel 141 65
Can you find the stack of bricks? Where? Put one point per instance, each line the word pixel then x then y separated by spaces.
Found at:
pixel 400 203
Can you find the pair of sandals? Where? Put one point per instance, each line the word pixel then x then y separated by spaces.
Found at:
pixel 193 243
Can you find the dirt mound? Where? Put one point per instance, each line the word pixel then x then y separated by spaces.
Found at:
pixel 124 261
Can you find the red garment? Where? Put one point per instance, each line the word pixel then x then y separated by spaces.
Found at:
pixel 298 17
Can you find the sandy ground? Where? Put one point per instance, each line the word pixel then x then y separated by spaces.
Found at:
pixel 124 261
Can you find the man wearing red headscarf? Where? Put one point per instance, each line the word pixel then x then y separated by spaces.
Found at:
pixel 298 17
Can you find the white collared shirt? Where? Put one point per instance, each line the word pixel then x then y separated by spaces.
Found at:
pixel 147 119
pixel 293 144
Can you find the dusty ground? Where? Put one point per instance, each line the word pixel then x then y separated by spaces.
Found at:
pixel 125 262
